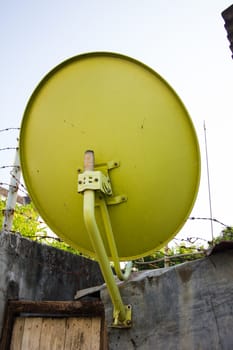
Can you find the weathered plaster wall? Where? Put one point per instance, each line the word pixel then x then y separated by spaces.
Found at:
pixel 186 307
pixel 33 271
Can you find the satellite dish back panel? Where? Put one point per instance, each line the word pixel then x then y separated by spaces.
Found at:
pixel 130 117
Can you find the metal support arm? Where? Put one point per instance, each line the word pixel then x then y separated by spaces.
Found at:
pixel 112 243
pixel 121 312
pixel 121 315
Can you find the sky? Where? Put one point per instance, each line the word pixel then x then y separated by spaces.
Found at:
pixel 184 41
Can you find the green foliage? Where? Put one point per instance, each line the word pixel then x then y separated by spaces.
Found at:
pixel 225 235
pixel 26 222
pixel 186 252
pixel 155 260
pixel 174 256
pixel 58 243
pixel 2 207
pixel 181 252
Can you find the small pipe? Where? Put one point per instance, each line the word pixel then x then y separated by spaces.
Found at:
pixel 89 160
pixel 12 193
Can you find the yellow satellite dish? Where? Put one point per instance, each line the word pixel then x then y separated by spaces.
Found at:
pixel 140 132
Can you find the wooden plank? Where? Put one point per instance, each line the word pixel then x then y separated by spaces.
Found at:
pixel 96 335
pixel 104 336
pixel 74 334
pixel 86 329
pixel 17 333
pixel 82 334
pixel 53 334
pixel 32 333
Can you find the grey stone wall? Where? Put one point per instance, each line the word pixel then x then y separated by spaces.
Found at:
pixel 36 272
pixel 186 307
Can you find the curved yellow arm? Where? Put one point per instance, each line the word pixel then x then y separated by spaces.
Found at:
pixel 122 313
pixel 112 244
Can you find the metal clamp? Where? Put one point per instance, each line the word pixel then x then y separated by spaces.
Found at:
pixel 127 322
pixel 94 180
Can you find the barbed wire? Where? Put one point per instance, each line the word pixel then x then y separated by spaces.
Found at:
pixel 29 217
pixel 9 185
pixel 211 219
pixel 8 148
pixel 7 166
pixel 39 237
pixel 21 186
pixel 9 129
pixel 191 239
pixel 170 257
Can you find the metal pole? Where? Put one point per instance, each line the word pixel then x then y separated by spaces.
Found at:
pixel 209 191
pixel 12 193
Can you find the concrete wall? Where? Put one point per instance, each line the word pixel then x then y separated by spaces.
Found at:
pixel 36 272
pixel 186 307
